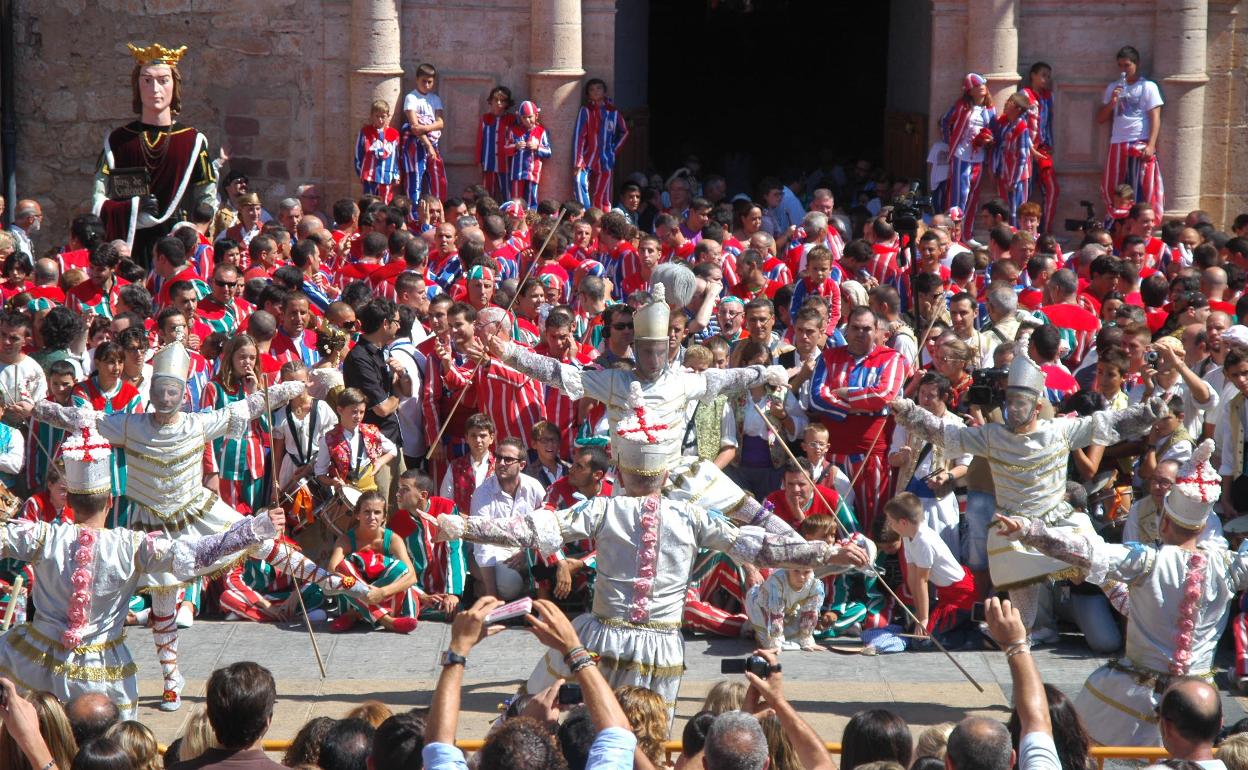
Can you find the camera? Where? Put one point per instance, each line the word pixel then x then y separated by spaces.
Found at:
pixel 570 695
pixel 755 664
pixel 1152 357
pixel 988 387
pixel 1085 224
pixel 908 209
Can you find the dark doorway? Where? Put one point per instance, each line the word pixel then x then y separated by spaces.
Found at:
pixel 757 87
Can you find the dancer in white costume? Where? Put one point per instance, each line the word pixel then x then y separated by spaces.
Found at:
pixel 646 546
pixel 164 454
pixel 665 391
pixel 1028 458
pixel 85 575
pixel 1175 596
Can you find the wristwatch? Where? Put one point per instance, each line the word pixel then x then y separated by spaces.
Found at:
pixel 450 658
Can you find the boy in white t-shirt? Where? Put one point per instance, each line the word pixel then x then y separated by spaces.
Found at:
pixel 1133 103
pixel 927 559
pixel 423 170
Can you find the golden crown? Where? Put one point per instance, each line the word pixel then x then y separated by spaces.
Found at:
pixel 156 54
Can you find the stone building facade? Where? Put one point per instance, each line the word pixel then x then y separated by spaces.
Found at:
pixel 285 85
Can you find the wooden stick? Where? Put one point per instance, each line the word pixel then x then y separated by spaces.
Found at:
pixel 15 595
pixel 307 622
pixel 463 391
pixel 780 440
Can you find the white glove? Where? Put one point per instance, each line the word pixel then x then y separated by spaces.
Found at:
pixel 281 393
pixel 1027 320
pixel 776 376
pixel 450 527
pixel 901 408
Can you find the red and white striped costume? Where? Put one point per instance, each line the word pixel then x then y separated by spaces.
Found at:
pixel 514 401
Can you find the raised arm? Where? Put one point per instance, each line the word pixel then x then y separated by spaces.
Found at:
pixel 1101 560
pixel 918 421
pixel 544 369
pixel 187 557
pixel 1107 427
pixel 540 530
pixel 66 417
pixel 733 381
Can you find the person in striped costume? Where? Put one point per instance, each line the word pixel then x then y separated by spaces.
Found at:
pixel 377 153
pixel 967 129
pixel 234 466
pixel 441 568
pixel 527 146
pixel 370 553
pixel 98 293
pixel 224 310
pixel 255 591
pixel 491 136
pixel 107 392
pixel 1040 122
pixel 165 450
pixel 1013 153
pixel 45 440
pixel 600 132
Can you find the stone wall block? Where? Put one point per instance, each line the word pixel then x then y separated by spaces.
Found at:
pixel 236 125
pixel 163 7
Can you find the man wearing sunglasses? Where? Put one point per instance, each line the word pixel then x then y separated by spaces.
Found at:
pixel 224 309
pixel 508 492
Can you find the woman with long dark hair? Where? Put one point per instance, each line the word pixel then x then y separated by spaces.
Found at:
pixel 1069 734
pixel 874 735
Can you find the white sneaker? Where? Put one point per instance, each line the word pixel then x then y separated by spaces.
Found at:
pixel 185 617
pixel 317 616
pixel 233 616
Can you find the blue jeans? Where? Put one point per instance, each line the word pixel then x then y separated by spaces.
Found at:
pixel 1095 618
pixel 980 506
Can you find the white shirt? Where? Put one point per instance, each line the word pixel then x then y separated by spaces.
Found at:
pixel 298 446
pixel 752 424
pixel 938 159
pixel 426 107
pixel 1131 120
pixel 22 381
pixel 927 551
pixel 479 471
pixel 490 501
pixel 323 460
pixel 965 148
pixel 1193 412
pixel 411 417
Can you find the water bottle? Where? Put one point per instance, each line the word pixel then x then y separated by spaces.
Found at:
pixel 1122 84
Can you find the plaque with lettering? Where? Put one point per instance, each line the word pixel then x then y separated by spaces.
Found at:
pixel 126 183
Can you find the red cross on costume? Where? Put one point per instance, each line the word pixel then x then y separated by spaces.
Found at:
pixel 1202 483
pixel 87 446
pixel 650 432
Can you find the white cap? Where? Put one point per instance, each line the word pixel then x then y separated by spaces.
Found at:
pixel 171 361
pixel 87 456
pixel 1192 496
pixel 642 443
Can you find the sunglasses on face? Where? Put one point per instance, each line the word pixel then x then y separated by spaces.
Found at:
pixel 621 326
pixel 502 460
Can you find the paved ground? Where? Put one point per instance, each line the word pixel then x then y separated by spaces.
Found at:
pixel 400 671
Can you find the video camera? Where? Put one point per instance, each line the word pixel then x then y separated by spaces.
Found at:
pixel 988 387
pixel 1086 224
pixel 908 209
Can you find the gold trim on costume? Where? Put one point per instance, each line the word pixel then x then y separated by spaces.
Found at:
pixel 81 649
pixel 1108 701
pixel 651 625
pixel 1032 466
pixel 81 673
pixel 174 522
pixel 160 461
pixel 644 669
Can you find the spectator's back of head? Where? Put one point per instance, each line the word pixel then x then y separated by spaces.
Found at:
pixel 876 734
pixel 398 742
pixel 90 715
pixel 979 743
pixel 727 695
pixel 305 748
pixel 346 746
pixel 1234 752
pixel 521 744
pixel 735 742
pixel 576 734
pixel 102 754
pixel 1191 711
pixel 240 703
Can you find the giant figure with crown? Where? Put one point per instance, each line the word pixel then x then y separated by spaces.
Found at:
pixel 152 171
pixel 164 451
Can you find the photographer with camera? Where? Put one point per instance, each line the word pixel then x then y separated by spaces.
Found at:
pixel 735 735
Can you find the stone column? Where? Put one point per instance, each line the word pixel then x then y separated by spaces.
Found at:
pixel 1180 39
pixel 992 45
pixel 555 72
pixel 375 68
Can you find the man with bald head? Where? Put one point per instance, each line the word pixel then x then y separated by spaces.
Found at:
pixel 90 715
pixel 27 219
pixel 1190 718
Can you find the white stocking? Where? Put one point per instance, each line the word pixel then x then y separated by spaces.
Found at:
pixel 1027 601
pixel 165 634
